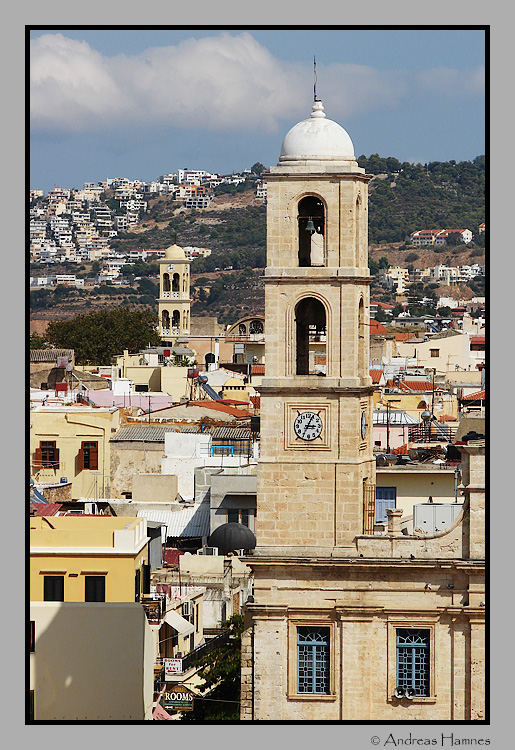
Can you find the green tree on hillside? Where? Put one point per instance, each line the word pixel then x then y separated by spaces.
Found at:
pixel 99 336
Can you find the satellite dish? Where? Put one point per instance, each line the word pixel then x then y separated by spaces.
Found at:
pixel 384 360
pixel 69 368
pixel 399 692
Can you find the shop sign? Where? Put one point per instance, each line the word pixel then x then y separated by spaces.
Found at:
pixel 179 698
pixel 172 667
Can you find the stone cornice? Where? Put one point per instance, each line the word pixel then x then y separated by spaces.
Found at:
pixel 322 386
pixel 291 561
pixel 269 278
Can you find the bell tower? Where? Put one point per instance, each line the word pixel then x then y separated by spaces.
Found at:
pixel 344 622
pixel 316 476
pixel 174 294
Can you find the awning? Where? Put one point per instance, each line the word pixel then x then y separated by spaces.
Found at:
pixel 178 623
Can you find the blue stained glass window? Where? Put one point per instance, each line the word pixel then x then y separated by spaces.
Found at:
pixel 313 660
pixel 413 660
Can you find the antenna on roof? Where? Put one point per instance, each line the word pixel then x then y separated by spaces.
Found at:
pixel 315 79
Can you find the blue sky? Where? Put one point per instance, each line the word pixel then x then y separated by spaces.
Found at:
pixel 140 103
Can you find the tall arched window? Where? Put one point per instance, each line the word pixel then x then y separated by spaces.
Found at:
pixel 310 323
pixel 165 320
pixel 176 319
pixel 175 283
pixel 362 365
pixel 358 230
pixel 311 229
pixel 166 282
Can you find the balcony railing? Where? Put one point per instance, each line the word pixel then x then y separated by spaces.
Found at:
pixel 170 331
pixel 193 657
pixel 432 433
pixel 154 606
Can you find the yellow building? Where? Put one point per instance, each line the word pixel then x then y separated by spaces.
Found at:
pixel 148 372
pixel 72 443
pixel 89 633
pixel 415 402
pixel 88 558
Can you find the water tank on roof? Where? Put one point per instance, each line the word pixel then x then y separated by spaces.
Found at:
pixel 435 517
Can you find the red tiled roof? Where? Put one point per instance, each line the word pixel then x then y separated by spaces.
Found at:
pixel 403 336
pixel 478 396
pixel 382 304
pixel 414 385
pixel 256 401
pixel 402 450
pixel 477 339
pixel 46 509
pixel 375 375
pixel 258 369
pixel 233 402
pixel 376 327
pixel 217 406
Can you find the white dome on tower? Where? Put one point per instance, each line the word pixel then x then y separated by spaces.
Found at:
pixel 317 139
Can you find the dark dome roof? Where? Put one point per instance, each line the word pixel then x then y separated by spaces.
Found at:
pixel 232 536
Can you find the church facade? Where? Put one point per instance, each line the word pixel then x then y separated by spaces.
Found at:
pixel 345 624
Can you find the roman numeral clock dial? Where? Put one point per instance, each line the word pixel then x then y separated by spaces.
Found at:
pixel 307 425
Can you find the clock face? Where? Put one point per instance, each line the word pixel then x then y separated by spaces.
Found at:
pixel 308 425
pixel 170 267
pixel 363 424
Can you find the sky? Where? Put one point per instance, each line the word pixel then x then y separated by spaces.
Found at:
pixel 140 103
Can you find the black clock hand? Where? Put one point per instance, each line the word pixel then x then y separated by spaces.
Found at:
pixel 306 428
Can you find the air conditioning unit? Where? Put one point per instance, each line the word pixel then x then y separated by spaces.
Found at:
pixel 187 609
pixel 208 551
pixel 90 509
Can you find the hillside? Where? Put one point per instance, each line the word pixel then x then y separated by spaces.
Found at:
pixel 402 198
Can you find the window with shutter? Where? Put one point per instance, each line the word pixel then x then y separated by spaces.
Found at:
pixel 88 455
pixel 49 454
pixel 53 589
pixel 386 497
pixel 95 589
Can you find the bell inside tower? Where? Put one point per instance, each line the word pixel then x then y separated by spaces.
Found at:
pixel 311 232
pixel 310 321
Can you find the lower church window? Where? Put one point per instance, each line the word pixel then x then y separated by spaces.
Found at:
pixel 313 660
pixel 413 660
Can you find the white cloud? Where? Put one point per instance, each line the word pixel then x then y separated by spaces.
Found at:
pixel 450 82
pixel 224 82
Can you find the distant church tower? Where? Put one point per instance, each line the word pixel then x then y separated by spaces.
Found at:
pixel 316 478
pixel 174 295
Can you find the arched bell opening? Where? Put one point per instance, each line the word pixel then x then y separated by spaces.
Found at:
pixel 176 319
pixel 311 230
pixel 165 320
pixel 361 339
pixel 166 282
pixel 256 326
pixel 176 283
pixel 310 325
